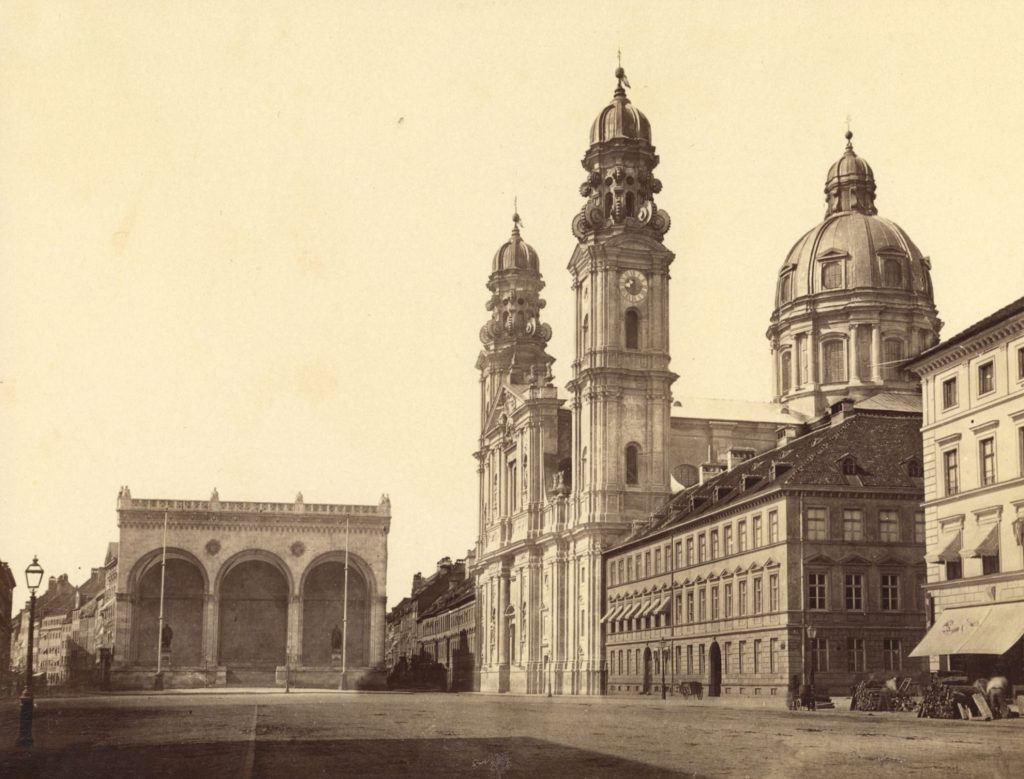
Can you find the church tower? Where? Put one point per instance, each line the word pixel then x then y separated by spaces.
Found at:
pixel 621 384
pixel 853 302
pixel 523 442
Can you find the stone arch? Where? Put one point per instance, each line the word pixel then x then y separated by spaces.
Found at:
pixel 253 589
pixel 320 587
pixel 186 585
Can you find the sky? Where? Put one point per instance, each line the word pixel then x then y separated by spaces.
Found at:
pixel 244 245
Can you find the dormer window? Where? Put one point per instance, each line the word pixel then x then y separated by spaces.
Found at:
pixel 892 273
pixel 785 289
pixel 914 468
pixel 831 275
pixel 848 466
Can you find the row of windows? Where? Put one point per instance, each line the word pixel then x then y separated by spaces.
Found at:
pixel 986 381
pixel 727 600
pixel 834 362
pixel 699 548
pixel 986 463
pixel 854 527
pixel 749 657
pixel 831 275
pixel 853 592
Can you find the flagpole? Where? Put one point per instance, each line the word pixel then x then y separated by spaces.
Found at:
pixel 344 613
pixel 160 626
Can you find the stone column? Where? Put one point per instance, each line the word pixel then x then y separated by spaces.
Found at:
pixel 854 363
pixel 812 360
pixel 211 618
pixel 876 353
pixel 378 610
pixel 500 618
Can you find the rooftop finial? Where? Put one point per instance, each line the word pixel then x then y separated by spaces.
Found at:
pixel 516 221
pixel 620 74
pixel 849 134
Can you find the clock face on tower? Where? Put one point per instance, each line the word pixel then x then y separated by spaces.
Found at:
pixel 633 285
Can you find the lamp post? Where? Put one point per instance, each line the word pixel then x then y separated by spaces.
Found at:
pixel 33 578
pixel 661 650
pixel 812 633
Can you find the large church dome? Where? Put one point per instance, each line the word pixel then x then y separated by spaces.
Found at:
pixel 853 299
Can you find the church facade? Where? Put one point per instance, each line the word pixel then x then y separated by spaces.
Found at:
pixel 251 591
pixel 563 481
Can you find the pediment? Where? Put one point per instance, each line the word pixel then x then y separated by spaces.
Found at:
pixel 505 401
pixel 890 561
pixel 891 251
pixel 770 563
pixel 854 559
pixel 831 254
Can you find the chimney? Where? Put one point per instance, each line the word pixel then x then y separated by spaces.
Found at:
pixel 444 566
pixel 417 582
pixel 709 471
pixel 841 411
pixel 786 434
pixel 738 455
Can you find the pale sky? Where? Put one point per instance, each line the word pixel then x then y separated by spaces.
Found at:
pixel 244 245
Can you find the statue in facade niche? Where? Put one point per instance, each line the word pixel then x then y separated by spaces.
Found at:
pixel 166 634
pixel 336 639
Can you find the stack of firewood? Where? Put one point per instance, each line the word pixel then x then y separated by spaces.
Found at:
pixel 939 703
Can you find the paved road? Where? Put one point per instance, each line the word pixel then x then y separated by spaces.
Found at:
pixel 312 734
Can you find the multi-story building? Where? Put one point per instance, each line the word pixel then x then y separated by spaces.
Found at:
pixel 806 558
pixel 53 606
pixel 7 585
pixel 404 639
pixel 824 533
pixel 973 389
pixel 447 634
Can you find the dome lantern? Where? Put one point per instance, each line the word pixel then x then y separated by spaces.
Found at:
pixel 850 184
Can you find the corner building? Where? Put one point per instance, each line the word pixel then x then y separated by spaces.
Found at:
pixel 559 485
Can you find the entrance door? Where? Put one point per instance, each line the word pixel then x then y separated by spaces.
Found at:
pixel 715 670
pixel 648 670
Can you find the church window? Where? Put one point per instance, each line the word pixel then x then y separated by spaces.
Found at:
pixel 608 202
pixel 632 329
pixel 892 273
pixel 833 361
pixel 583 469
pixel 629 203
pixel 831 275
pixel 786 379
pixel 632 464
pixel 892 356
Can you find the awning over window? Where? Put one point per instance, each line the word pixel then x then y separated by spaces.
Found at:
pixel 951 553
pixel 630 611
pixel 974 630
pixel 610 614
pixel 662 606
pixel 989 545
pixel 646 610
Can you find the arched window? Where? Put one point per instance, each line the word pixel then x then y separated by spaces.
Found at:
pixel 629 203
pixel 831 275
pixel 893 273
pixel 892 356
pixel 833 361
pixel 786 371
pixel 632 464
pixel 583 333
pixel 632 329
pixel 608 202
pixel 583 469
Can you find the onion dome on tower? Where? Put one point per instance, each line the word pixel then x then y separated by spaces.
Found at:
pixel 853 301
pixel 620 185
pixel 514 338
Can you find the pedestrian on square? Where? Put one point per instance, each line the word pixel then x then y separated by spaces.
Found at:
pixel 793 693
pixel 995 693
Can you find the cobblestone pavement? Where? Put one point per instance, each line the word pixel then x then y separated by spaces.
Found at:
pixel 270 734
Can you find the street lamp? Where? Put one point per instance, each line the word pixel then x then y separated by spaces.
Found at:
pixel 661 649
pixel 812 633
pixel 33 578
